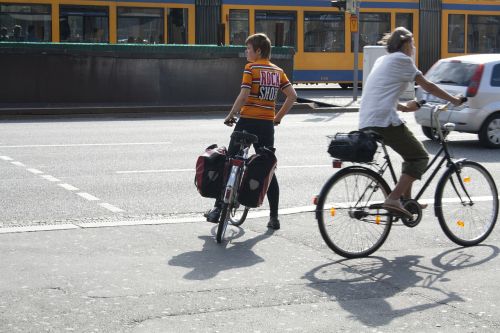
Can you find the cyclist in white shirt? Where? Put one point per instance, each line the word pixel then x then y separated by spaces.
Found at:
pixel 387 80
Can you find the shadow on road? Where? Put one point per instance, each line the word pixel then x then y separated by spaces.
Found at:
pixel 374 280
pixel 215 258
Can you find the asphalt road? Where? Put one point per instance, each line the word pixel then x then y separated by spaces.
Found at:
pixel 133 256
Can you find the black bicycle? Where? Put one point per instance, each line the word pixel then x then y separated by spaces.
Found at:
pixel 232 212
pixel 353 223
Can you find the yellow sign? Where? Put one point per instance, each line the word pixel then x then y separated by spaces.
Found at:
pixel 354 23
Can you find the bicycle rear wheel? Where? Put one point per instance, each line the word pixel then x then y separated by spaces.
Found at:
pixel 466 203
pixel 349 213
pixel 223 221
pixel 238 215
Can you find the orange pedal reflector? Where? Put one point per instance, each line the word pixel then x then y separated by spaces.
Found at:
pixel 332 211
pixel 377 219
pixel 460 223
pixel 467 179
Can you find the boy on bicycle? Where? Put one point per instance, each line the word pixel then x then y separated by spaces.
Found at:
pixel 256 104
pixel 377 112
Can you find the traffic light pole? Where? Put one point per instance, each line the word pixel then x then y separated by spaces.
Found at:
pixel 356 58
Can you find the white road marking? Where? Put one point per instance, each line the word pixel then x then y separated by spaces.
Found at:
pixel 88 196
pixel 5 158
pixel 68 187
pixel 35 171
pixel 50 178
pixel 90 144
pixel 192 170
pixel 18 164
pixel 111 207
pixel 31 228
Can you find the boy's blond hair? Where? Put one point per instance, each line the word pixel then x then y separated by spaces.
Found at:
pixel 262 42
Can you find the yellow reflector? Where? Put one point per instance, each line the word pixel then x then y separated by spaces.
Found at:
pixel 460 223
pixel 377 219
pixel 467 179
pixel 332 211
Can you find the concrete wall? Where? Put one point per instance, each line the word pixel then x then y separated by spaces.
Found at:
pixel 123 75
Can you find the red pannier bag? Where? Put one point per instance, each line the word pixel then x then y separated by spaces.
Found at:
pixel 257 177
pixel 209 178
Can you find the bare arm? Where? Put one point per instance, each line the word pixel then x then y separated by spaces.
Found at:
pixel 436 91
pixel 291 97
pixel 238 104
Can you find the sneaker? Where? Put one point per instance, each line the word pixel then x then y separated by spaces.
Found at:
pixel 273 223
pixel 395 206
pixel 213 215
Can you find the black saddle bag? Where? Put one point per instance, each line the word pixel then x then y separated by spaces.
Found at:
pixel 209 178
pixel 355 146
pixel 257 177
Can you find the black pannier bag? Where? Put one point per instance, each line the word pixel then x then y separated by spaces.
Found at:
pixel 355 146
pixel 257 177
pixel 209 178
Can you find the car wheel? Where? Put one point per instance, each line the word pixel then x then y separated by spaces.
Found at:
pixel 430 132
pixel 489 134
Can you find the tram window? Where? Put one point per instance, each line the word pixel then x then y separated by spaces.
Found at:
pixel 140 25
pixel 456 33
pixel 84 24
pixel 238 26
pixel 483 34
pixel 25 23
pixel 372 27
pixel 266 21
pixel 177 21
pixel 404 20
pixel 324 32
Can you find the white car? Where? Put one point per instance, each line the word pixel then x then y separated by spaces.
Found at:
pixel 476 76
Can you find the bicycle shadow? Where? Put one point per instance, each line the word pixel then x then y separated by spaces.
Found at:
pixel 214 258
pixel 375 280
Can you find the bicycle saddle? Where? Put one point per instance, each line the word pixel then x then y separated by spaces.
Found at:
pixel 244 138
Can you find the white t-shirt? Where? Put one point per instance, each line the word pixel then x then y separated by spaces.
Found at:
pixel 387 80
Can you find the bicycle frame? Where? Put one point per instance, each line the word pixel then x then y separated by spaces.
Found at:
pixel 436 110
pixel 237 164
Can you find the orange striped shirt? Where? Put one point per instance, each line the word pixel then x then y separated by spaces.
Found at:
pixel 264 80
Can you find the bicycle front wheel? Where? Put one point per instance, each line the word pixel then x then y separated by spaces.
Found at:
pixel 466 203
pixel 349 212
pixel 238 215
pixel 223 221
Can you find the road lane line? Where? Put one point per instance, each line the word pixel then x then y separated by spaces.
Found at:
pixel 88 196
pixel 35 171
pixel 18 163
pixel 69 187
pixel 32 228
pixel 111 207
pixel 50 178
pixel 192 170
pixel 90 144
pixel 5 158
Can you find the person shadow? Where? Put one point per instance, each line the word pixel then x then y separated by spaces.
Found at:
pixel 214 258
pixel 374 280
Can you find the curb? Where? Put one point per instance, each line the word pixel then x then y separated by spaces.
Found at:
pixel 140 111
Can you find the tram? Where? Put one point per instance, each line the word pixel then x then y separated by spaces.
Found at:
pixel 319 33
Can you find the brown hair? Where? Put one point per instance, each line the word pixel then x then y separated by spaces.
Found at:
pixel 262 42
pixel 396 40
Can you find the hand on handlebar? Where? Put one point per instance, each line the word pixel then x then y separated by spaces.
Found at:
pixel 459 100
pixel 230 120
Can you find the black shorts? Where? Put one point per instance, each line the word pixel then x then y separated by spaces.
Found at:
pixel 263 129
